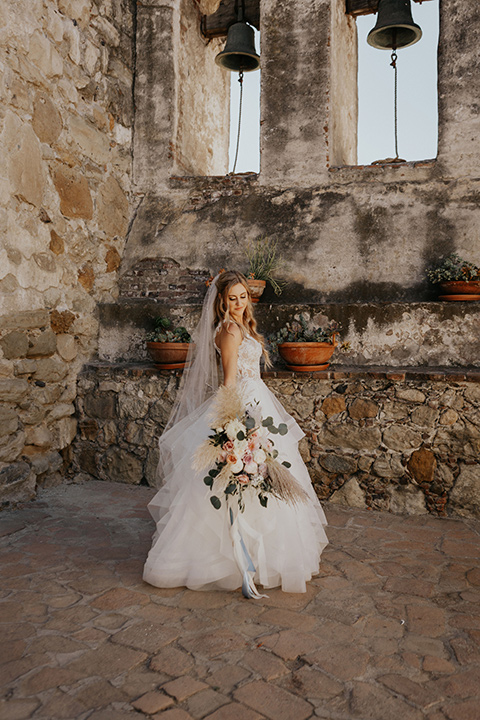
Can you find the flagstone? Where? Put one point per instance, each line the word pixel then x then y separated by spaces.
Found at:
pixel 107 661
pixel 289 644
pixel 152 702
pixel 272 701
pixel 172 661
pixel 265 664
pixel 145 636
pixel 234 711
pixel 17 709
pixel 227 678
pixel 183 687
pixel 213 644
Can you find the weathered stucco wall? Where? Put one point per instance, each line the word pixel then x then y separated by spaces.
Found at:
pixel 182 98
pixel 65 178
pixel 390 441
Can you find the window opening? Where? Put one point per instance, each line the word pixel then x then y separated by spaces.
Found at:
pixel 249 148
pixel 417 92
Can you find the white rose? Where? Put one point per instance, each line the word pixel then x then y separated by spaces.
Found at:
pixel 237 466
pixel 259 456
pixel 232 428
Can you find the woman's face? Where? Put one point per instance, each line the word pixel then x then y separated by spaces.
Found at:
pixel 237 301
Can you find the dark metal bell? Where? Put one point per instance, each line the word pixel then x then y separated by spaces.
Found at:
pixel 395 27
pixel 239 53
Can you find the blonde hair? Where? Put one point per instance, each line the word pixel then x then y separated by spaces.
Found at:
pixel 225 282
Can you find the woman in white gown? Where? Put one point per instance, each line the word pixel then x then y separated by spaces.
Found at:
pixel 201 547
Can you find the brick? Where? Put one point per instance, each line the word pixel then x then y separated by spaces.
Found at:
pixel 273 702
pixel 145 636
pixel 152 702
pixel 183 687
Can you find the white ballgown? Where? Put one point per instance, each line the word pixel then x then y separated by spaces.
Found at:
pixel 192 545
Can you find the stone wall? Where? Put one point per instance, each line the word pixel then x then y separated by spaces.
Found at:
pixel 408 442
pixel 66 71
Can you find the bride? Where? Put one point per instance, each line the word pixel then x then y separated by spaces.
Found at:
pixel 231 544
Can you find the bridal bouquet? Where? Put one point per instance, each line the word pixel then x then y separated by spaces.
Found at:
pixel 241 455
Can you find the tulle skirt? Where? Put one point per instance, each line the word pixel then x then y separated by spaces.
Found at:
pixel 192 544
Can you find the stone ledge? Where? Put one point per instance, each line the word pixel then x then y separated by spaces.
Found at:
pixel 398 374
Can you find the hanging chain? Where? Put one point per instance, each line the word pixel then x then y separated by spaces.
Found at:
pixel 240 80
pixel 394 65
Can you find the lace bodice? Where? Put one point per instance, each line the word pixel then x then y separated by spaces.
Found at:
pixel 249 353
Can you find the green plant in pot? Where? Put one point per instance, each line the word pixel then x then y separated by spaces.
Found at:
pixel 168 345
pixel 303 346
pixel 458 279
pixel 263 264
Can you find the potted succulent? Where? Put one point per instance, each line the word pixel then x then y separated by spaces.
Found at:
pixel 263 263
pixel 458 279
pixel 305 347
pixel 168 346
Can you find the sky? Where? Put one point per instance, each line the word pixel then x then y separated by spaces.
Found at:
pixel 417 98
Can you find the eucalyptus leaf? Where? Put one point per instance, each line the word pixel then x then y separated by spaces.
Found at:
pixel 282 429
pixel 215 502
pixel 231 489
pixel 263 500
pixel 240 435
pixel 287 464
pixel 208 481
pixel 267 422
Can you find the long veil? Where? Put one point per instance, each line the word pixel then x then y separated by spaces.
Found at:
pixel 199 381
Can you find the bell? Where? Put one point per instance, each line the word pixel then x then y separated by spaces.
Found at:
pixel 239 53
pixel 395 27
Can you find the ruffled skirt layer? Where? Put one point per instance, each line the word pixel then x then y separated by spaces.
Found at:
pixel 192 544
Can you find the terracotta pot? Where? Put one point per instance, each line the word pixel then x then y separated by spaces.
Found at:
pixel 256 288
pixel 306 356
pixel 167 355
pixel 460 290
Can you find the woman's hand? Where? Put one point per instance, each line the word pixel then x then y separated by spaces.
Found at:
pixel 228 341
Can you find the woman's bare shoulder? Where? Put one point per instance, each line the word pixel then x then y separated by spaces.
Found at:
pixel 229 336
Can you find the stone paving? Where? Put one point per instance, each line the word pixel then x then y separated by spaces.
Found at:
pixel 389 630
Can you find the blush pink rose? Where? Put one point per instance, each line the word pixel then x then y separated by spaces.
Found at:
pixel 228 446
pixel 243 479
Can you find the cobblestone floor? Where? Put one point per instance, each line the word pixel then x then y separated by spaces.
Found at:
pixel 389 630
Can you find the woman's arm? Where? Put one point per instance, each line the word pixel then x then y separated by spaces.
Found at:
pixel 228 341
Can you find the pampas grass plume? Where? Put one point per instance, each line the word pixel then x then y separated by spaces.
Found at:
pixel 228 404
pixel 283 484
